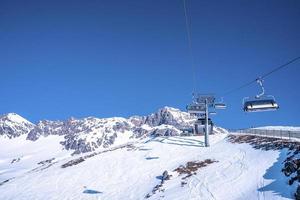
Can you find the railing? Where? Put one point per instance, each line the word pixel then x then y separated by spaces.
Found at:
pixel 270 133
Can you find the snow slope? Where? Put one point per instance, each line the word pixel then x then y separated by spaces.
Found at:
pixel 18 155
pixel 133 170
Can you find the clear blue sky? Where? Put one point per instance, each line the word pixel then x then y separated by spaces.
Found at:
pixel 120 58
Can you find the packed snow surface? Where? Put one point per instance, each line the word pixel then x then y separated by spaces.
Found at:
pixel 131 172
pixel 19 155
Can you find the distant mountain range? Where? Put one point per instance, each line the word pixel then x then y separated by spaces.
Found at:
pixel 88 134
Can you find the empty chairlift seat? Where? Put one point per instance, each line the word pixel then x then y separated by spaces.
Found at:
pixel 202 121
pixel 260 104
pixel 220 106
pixel 195 108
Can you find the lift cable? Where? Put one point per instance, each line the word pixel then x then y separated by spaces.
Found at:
pixel 261 77
pixel 189 38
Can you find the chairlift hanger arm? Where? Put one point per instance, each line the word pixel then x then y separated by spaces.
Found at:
pixel 260 82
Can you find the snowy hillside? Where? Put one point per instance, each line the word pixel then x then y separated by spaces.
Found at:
pixel 153 168
pixel 141 158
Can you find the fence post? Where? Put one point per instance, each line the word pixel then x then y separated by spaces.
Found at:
pixel 265 132
pixel 281 134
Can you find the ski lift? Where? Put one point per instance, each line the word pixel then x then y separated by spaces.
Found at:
pixel 201 121
pixel 261 102
pixel 220 105
pixel 195 108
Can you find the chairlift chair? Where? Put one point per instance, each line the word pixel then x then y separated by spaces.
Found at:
pixel 261 102
pixel 202 121
pixel 212 113
pixel 195 108
pixel 220 105
pixel 265 103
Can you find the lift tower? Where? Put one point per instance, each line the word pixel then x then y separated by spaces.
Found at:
pixel 199 107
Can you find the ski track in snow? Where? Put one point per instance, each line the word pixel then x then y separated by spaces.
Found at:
pixel 201 188
pixel 126 173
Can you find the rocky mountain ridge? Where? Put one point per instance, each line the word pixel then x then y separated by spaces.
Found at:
pixel 88 134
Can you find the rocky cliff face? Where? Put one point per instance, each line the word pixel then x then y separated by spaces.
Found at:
pixel 88 134
pixel 169 116
pixel 45 128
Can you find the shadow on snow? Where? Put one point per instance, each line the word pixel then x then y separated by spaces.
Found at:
pixel 89 191
pixel 279 186
pixel 151 158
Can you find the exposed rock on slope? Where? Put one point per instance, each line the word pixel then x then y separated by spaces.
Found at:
pixel 45 128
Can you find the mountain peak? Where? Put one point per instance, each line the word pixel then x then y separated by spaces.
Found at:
pixel 168 108
pixel 13 125
pixel 13 117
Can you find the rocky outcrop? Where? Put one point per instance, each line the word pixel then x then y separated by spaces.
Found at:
pixel 165 130
pixel 45 128
pixel 169 116
pixel 297 194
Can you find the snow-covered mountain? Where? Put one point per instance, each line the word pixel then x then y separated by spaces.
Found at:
pixel 88 134
pixel 13 125
pixel 141 157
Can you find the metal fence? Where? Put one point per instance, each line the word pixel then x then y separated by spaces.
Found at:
pixel 270 133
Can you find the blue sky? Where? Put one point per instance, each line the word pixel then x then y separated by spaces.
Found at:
pixel 120 58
